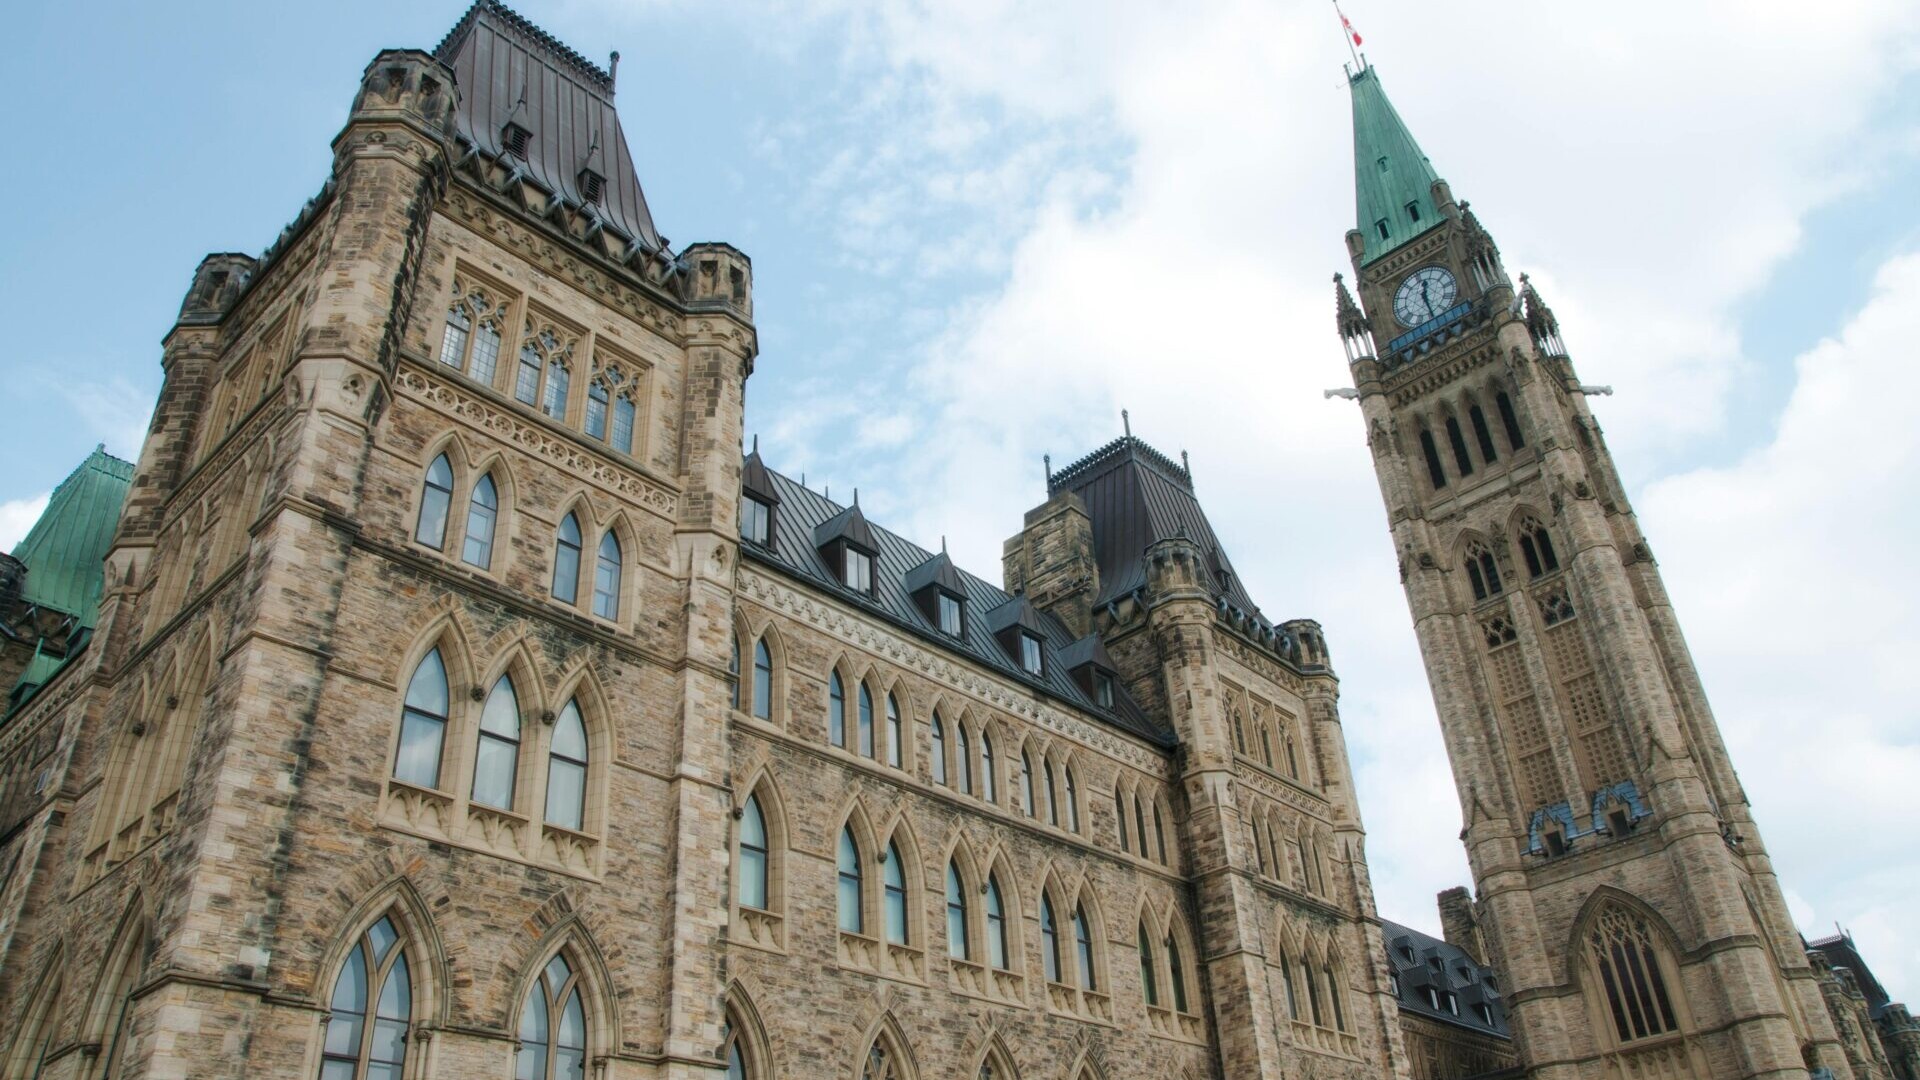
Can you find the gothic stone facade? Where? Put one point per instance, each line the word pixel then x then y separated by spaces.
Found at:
pixel 439 723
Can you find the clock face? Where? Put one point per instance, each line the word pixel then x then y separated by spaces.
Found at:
pixel 1426 294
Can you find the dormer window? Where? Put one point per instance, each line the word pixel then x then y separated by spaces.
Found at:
pixel 1030 660
pixel 1413 211
pixel 847 545
pixel 756 521
pixel 1484 1012
pixel 1381 226
pixel 856 571
pixel 515 139
pixel 1103 689
pixel 940 594
pixel 592 185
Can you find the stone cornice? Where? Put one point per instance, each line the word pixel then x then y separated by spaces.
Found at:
pixel 1449 362
pixel 1271 670
pixel 533 437
pixel 870 635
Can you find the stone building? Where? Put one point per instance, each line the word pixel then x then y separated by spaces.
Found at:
pixel 462 702
pixel 1623 891
pixel 1879 1034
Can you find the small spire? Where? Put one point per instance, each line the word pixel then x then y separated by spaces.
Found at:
pixel 613 69
pixel 1046 461
pixel 756 435
pixel 1126 423
pixel 943 543
pixel 1185 465
pixel 856 496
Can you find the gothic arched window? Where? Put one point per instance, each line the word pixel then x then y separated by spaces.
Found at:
pixel 896 735
pixel 483 512
pixel 606 578
pixel 566 560
pixel 1459 446
pixel 864 721
pixel 555 403
pixel 733 669
pixel 997 952
pixel 567 769
pixel 754 855
pixel 1436 473
pixel 1049 940
pixel 1177 974
pixel 1293 997
pixel 986 768
pixel 1504 405
pixel 553 1026
pixel 1053 795
pixel 1149 979
pixel 375 974
pixel 1481 435
pixel 1624 958
pixel 1120 816
pixel 436 501
pixel 1483 574
pixel 853 916
pixel 1536 547
pixel 958 945
pixel 762 680
pixel 496 759
pixel 1026 785
pixel 837 711
pixel 1083 949
pixel 1073 800
pixel 894 900
pixel 1140 824
pixel 596 420
pixel 963 757
pixel 423 724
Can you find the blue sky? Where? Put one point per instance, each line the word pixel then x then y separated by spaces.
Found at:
pixel 980 229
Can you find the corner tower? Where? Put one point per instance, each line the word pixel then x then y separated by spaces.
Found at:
pixel 1623 888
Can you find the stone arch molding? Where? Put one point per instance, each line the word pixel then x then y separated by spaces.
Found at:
pixel 369 891
pixel 563 928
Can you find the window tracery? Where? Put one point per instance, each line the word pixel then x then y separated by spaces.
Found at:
pixel 371 1008
pixel 553 1026
pixel 1624 960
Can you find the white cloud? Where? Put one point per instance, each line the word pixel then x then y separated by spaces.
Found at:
pixel 17 517
pixel 1789 569
pixel 1651 163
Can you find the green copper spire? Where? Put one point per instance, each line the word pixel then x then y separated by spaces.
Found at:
pixel 1389 172
pixel 64 551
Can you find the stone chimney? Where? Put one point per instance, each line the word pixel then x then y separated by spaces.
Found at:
pixel 1051 561
pixel 1459 925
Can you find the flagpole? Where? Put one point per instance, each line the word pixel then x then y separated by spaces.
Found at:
pixel 1346 35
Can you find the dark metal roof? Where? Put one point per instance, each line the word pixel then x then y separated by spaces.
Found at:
pixel 500 59
pixel 1420 961
pixel 803 511
pixel 754 480
pixel 1840 952
pixel 938 570
pixel 1088 650
pixel 849 525
pixel 1016 611
pixel 1135 496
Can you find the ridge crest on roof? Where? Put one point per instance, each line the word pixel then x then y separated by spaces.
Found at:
pixel 1115 452
pixel 534 36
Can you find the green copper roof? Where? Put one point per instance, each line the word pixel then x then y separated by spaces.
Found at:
pixel 1389 171
pixel 64 552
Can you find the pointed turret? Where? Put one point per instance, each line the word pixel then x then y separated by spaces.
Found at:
pixel 1355 329
pixel 1393 181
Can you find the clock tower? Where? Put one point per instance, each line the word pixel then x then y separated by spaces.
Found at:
pixel 1623 890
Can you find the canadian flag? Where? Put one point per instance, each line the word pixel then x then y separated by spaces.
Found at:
pixel 1351 32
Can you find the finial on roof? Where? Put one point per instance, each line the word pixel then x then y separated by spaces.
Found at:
pixel 1046 460
pixel 1185 465
pixel 756 435
pixel 613 68
pixel 856 496
pixel 943 543
pixel 1126 423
